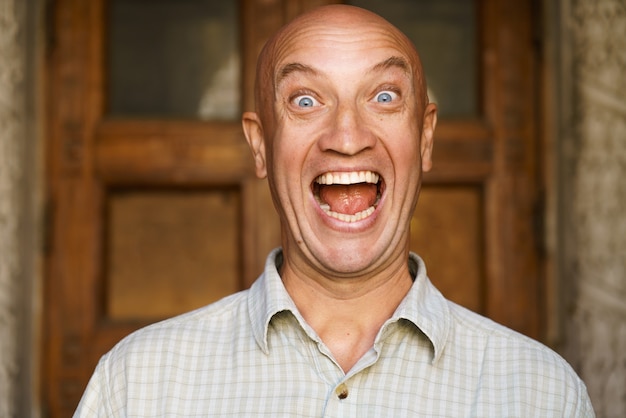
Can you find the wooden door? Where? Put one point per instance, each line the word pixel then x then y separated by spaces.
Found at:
pixel 154 211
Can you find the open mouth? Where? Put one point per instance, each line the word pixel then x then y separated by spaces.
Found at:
pixel 348 196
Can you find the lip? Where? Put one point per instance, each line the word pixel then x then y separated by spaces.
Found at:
pixel 347 222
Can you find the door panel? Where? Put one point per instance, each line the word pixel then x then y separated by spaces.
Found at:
pixel 454 260
pixel 170 251
pixel 153 204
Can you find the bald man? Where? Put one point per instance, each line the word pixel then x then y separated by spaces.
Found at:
pixel 343 321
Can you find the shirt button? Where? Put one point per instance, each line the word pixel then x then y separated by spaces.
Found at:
pixel 342 391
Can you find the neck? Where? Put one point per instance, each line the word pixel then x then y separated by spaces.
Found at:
pixel 347 313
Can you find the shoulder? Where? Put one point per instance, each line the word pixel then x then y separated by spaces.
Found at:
pixel 185 348
pixel 186 333
pixel 514 365
pixel 505 344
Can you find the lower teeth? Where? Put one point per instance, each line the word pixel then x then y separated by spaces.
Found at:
pixel 344 217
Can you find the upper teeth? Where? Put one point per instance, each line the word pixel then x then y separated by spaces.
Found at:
pixel 353 177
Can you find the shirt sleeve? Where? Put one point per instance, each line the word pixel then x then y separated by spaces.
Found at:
pixel 97 401
pixel 584 407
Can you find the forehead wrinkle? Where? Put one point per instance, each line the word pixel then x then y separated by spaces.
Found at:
pixel 295 67
pixel 292 68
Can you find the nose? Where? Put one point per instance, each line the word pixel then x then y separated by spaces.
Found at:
pixel 347 133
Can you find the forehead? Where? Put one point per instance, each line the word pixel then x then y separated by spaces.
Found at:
pixel 342 39
pixel 360 41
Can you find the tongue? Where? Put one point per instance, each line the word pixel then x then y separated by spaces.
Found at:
pixel 349 199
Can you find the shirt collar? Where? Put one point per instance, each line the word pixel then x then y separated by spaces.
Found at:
pixel 268 297
pixel 424 306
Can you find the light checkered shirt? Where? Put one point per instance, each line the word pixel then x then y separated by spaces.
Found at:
pixel 253 355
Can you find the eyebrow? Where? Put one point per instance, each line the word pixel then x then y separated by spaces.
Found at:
pixel 393 62
pixel 296 67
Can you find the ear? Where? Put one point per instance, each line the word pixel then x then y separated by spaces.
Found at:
pixel 253 130
pixel 428 133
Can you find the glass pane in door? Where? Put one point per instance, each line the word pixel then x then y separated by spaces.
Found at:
pixel 445 34
pixel 174 58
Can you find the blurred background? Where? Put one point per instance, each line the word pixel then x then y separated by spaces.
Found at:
pixel 127 192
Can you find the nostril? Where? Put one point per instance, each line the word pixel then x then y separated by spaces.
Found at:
pixel 348 143
pixel 348 133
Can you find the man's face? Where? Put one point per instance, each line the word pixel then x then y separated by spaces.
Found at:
pixel 342 147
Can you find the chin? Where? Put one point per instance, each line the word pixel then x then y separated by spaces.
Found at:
pixel 350 259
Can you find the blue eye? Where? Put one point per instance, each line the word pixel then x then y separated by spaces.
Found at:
pixel 385 97
pixel 305 101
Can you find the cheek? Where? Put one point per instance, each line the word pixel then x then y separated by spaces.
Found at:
pixel 288 158
pixel 402 142
pixel 406 161
pixel 293 141
pixel 284 152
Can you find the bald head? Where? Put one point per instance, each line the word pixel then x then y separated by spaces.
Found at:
pixel 334 26
pixel 342 132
